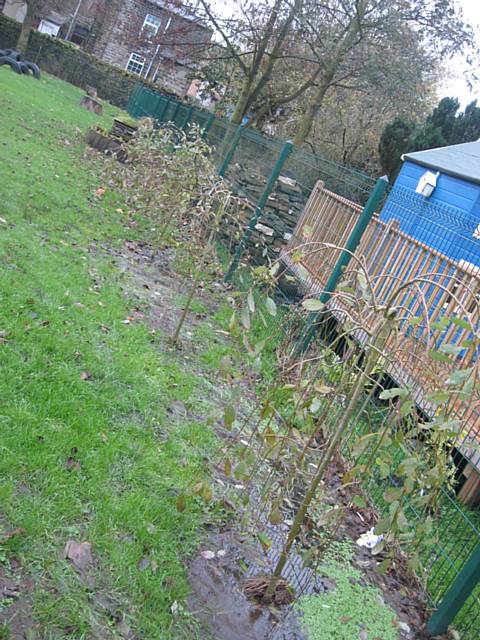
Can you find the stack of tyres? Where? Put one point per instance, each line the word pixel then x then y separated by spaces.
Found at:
pixel 14 59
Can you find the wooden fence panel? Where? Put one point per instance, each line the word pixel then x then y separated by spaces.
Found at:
pixel 435 287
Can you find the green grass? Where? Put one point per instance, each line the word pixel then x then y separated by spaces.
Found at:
pixel 350 607
pixel 87 452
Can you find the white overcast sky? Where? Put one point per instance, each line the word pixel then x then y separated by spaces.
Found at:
pixel 456 85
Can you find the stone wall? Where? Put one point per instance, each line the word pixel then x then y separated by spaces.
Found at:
pixel 279 217
pixel 122 35
pixel 68 62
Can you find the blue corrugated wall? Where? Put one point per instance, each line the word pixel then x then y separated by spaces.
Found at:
pixel 446 221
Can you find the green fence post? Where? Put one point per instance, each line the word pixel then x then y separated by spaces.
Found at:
pixel 175 111
pixel 158 107
pixel 285 152
pixel 369 209
pixel 187 118
pixel 208 126
pixel 229 155
pixel 162 113
pixel 456 596
pixel 133 100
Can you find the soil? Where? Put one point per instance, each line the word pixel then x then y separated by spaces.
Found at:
pixel 16 599
pixel 218 597
pixel 218 581
pixel 218 584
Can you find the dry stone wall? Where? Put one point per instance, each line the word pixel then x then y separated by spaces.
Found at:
pixel 279 217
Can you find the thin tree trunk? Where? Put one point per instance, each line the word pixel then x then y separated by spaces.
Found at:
pixel 313 107
pixel 242 102
pixel 374 355
pixel 27 26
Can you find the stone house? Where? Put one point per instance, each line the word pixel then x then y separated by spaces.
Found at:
pixel 159 40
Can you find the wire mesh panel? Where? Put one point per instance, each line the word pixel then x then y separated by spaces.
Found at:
pixel 307 168
pixel 252 163
pixel 436 296
pixel 418 256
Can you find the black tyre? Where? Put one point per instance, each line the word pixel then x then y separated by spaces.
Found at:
pixel 24 68
pixel 33 68
pixel 15 55
pixel 13 64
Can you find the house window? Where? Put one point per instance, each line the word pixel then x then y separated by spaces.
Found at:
pixel 136 63
pixel 151 25
pixel 79 35
pixel 49 27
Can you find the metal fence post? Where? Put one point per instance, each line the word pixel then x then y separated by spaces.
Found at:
pixel 285 152
pixel 229 155
pixel 456 596
pixel 369 209
pixel 131 107
pixel 208 125
pixel 162 113
pixel 175 111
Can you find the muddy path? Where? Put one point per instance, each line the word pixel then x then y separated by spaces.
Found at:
pixel 229 555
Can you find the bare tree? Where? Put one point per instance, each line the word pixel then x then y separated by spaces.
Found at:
pixel 257 38
pixel 339 29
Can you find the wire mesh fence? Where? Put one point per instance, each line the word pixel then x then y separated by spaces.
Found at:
pixel 421 252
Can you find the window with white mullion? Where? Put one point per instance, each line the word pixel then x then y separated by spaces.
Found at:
pixel 135 63
pixel 151 25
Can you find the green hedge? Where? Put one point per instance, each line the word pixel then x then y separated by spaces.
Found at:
pixel 67 61
pixel 9 32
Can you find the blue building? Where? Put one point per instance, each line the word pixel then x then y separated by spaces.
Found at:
pixel 436 200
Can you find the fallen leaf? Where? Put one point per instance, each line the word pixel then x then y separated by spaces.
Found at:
pixel 85 375
pixel 99 192
pixel 104 328
pixel 208 555
pixel 9 591
pixel 3 221
pixel 72 464
pixel 80 554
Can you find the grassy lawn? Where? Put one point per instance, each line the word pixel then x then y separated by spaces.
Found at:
pixel 83 395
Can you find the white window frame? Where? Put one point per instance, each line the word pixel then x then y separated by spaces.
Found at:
pixel 151 25
pixel 136 63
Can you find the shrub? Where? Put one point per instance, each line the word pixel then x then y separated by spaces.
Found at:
pixel 9 32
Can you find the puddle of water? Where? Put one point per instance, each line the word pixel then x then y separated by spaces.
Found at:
pixel 218 599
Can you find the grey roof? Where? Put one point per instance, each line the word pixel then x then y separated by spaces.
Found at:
pixel 459 160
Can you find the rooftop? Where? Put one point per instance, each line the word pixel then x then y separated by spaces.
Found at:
pixel 458 160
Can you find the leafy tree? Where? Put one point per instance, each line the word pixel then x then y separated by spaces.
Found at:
pixel 443 126
pixel 339 33
pixel 393 143
pixel 258 37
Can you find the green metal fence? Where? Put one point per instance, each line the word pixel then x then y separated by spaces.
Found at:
pixel 452 563
pixel 252 148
